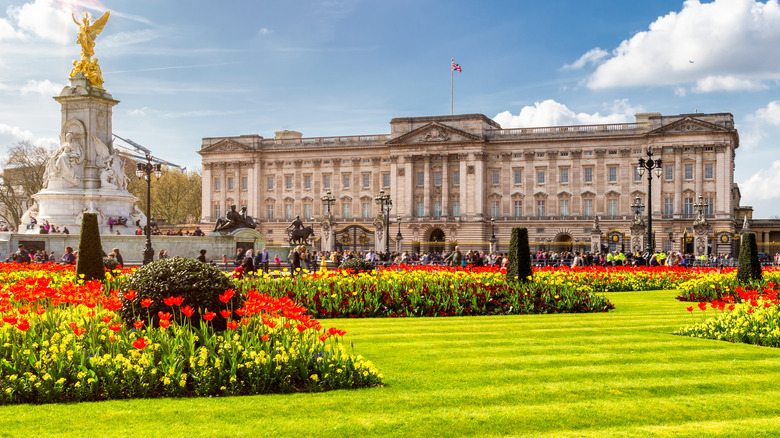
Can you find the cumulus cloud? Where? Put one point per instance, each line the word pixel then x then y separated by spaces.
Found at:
pixel 45 87
pixel 762 186
pixel 552 113
pixel 731 44
pixel 16 132
pixel 45 19
pixel 264 31
pixel 592 56
pixel 768 114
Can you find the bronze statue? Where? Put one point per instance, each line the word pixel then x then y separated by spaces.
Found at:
pixel 298 234
pixel 234 220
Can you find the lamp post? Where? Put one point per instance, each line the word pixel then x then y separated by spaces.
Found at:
pixel 493 238
pixel 145 170
pixel 385 205
pixel 649 164
pixel 328 200
pixel 398 237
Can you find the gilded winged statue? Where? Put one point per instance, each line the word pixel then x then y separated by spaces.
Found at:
pixel 86 38
pixel 88 32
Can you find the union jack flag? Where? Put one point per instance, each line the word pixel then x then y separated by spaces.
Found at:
pixel 455 66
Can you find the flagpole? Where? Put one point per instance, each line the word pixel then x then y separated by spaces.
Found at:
pixel 452 85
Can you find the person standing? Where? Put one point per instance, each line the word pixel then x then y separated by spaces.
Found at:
pixel 455 258
pixel 118 256
pixel 202 256
pixel 68 258
pixel 295 260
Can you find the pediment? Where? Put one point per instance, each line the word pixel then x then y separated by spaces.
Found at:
pixel 689 125
pixel 494 196
pixel 226 145
pixel 564 194
pixel 587 193
pixel 435 132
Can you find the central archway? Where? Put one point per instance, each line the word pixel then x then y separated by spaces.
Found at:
pixel 563 243
pixel 436 240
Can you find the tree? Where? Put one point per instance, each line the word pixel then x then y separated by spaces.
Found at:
pixel 519 265
pixel 176 196
pixel 23 173
pixel 90 260
pixel 749 266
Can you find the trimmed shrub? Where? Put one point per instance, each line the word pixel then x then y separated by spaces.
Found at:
pixel 357 265
pixel 519 265
pixel 110 263
pixel 749 266
pixel 90 258
pixel 198 283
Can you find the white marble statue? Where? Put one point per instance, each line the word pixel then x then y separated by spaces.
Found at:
pixel 67 163
pixel 112 176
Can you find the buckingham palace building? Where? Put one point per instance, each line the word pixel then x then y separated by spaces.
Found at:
pixel 463 179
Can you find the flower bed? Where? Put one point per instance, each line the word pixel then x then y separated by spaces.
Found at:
pixel 751 315
pixel 427 291
pixel 715 285
pixel 67 343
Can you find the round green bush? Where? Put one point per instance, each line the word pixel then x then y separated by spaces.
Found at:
pixel 110 263
pixel 357 265
pixel 198 283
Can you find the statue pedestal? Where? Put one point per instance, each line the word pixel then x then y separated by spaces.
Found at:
pixel 64 207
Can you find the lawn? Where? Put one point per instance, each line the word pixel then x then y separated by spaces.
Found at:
pixel 606 374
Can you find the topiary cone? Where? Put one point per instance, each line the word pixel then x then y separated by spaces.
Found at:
pixel 749 266
pixel 519 265
pixel 90 258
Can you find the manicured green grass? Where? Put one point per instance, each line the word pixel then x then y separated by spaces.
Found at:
pixel 610 374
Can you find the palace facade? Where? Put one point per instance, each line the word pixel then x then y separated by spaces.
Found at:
pixel 448 176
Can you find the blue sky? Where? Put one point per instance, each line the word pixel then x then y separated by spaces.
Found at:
pixel 184 70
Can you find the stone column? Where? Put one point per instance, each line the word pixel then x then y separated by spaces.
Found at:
pixel 298 189
pixel 678 180
pixel 600 183
pixel 465 201
pixel 575 180
pixel 479 184
pixel 698 170
pixel 427 185
pixel 445 185
pixel 506 183
pixel 638 236
pixel 400 203
pixel 407 182
pixel 317 209
pixel 254 188
pixel 223 207
pixel 207 193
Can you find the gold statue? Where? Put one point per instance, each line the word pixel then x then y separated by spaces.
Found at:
pixel 86 38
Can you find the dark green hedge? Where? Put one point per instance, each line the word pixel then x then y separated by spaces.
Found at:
pixel 519 265
pixel 749 266
pixel 89 262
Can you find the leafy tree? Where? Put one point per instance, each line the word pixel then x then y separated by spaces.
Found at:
pixel 23 173
pixel 176 196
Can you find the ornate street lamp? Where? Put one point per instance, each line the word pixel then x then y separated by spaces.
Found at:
pixel 327 201
pixel 399 237
pixel 700 207
pixel 649 164
pixel 637 206
pixel 145 170
pixel 385 205
pixel 493 238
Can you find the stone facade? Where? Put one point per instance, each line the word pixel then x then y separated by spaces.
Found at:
pixel 449 175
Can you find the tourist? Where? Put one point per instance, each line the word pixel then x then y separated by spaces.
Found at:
pixel 248 265
pixel 261 261
pixel 111 223
pixel 224 260
pixel 198 232
pixel 118 256
pixel 68 258
pixel 202 256
pixel 277 262
pixel 454 259
pixel 65 230
pixel 117 232
pixel 52 259
pixel 22 256
pixel 161 255
pixel 295 260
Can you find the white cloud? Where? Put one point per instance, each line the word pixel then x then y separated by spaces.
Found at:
pixel 592 56
pixel 45 87
pixel 733 44
pixel 8 32
pixel 264 31
pixel 762 186
pixel 769 114
pixel 727 83
pixel 17 132
pixel 552 113
pixel 680 91
pixel 46 19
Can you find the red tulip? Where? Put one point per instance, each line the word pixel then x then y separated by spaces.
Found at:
pixel 146 302
pixel 209 316
pixel 78 331
pixel 690 308
pixel 240 311
pixel 264 337
pixel 106 318
pixel 187 310
pixel 115 327
pixel 23 325
pixel 129 295
pixel 138 324
pixel 139 343
pixel 166 315
pixel 225 313
pixel 232 325
pixel 165 323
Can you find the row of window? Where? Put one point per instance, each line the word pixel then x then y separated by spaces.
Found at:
pixel 612 174
pixel 517 208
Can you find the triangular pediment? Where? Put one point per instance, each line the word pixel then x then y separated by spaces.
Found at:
pixel 226 145
pixel 435 132
pixel 689 125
